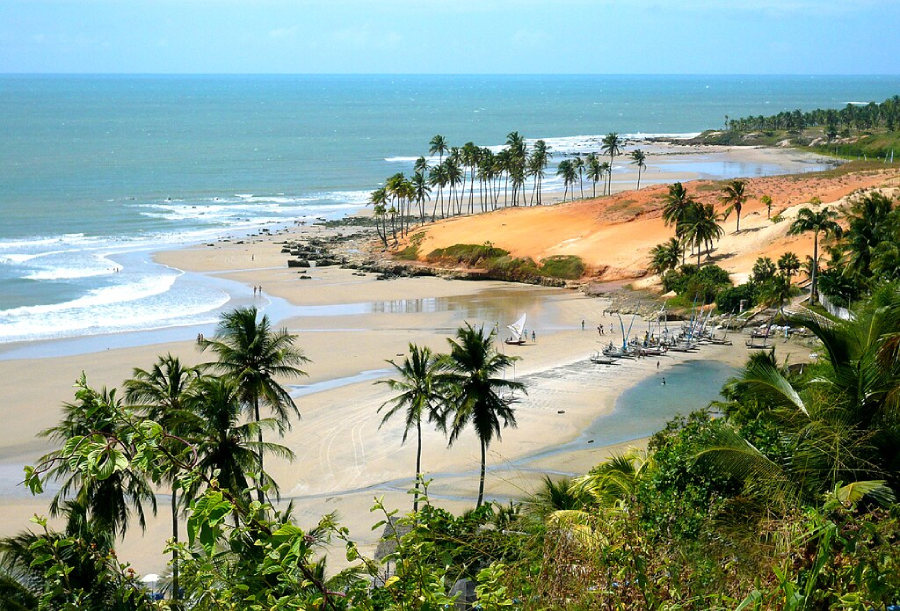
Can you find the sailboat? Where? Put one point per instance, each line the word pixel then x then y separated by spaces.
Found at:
pixel 518 329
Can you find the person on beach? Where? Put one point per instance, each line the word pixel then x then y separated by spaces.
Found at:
pixel 582 324
pixel 664 382
pixel 533 338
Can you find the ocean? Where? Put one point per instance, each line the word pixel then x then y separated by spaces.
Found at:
pixel 97 172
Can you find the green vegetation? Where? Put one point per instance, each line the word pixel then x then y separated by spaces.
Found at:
pixel 466 254
pixel 857 131
pixel 498 264
pixel 786 500
pixel 568 267
pixel 694 284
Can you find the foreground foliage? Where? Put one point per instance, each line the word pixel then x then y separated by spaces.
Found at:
pixel 785 497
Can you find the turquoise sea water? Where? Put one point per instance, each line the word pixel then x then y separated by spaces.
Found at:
pixel 97 171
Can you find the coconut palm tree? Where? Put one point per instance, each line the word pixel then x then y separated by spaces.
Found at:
pixel 473 366
pixel 379 199
pixel 789 264
pixel 566 170
pixel 594 171
pixel 438 178
pixel 766 201
pixel 107 502
pixel 639 158
pixel 254 356
pixel 578 164
pixel 665 256
pixel 611 145
pixel 675 210
pixel 438 146
pixel 841 424
pixel 226 444
pixel 702 227
pixel 421 165
pixel 163 392
pixel 734 196
pixel 541 155
pixel 469 159
pixel 421 192
pixel 421 395
pixel 821 222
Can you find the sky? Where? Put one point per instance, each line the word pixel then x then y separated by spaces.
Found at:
pixel 450 36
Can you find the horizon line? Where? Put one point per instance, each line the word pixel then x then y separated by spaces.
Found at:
pixel 461 74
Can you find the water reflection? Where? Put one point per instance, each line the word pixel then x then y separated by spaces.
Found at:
pixel 496 305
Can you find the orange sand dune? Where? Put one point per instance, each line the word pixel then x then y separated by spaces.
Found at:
pixel 613 235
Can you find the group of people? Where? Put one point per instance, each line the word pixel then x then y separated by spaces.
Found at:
pixel 257 290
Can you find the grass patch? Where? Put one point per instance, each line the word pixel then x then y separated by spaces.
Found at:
pixel 410 253
pixel 513 268
pixel 466 254
pixel 567 267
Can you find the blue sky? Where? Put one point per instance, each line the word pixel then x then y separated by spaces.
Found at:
pixel 450 36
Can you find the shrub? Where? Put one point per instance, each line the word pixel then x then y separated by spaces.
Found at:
pixel 702 284
pixel 468 254
pixel 729 299
pixel 568 267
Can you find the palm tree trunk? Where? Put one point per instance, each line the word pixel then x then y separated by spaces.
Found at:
pixel 259 493
pixel 175 586
pixel 418 465
pixel 639 178
pixel 481 481
pixel 815 267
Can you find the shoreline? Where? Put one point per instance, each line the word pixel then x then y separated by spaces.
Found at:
pixel 338 442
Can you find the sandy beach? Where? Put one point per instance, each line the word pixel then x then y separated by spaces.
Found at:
pixel 349 324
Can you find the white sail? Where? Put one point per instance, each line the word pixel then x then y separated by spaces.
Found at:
pixel 517 328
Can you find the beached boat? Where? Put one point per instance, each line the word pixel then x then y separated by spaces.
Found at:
pixel 518 330
pixel 600 359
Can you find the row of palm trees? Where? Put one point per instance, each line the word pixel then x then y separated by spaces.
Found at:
pixel 450 391
pixel 501 177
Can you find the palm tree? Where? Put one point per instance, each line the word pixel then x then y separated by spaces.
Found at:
pixel 421 165
pixel 605 170
pixel 734 196
pixel 253 356
pixel 578 164
pixel 766 201
pixel 789 264
pixel 107 502
pixel 163 392
pixel 438 178
pixel 378 198
pixel 475 390
pixel 225 442
pixel 612 146
pixel 541 155
pixel 469 158
pixel 675 210
pixel 821 222
pixel 702 227
pixel 566 169
pixel 841 424
pixel 639 158
pixel 665 256
pixel 438 146
pixel 421 192
pixel 594 171
pixel 421 395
